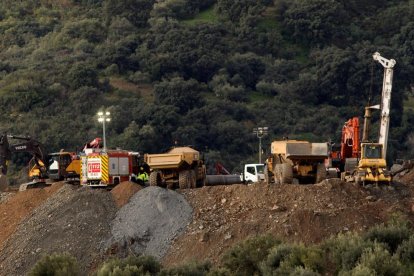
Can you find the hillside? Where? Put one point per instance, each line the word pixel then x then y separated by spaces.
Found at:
pixel 184 225
pixel 201 73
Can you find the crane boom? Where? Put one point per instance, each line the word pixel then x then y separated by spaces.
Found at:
pixel 388 65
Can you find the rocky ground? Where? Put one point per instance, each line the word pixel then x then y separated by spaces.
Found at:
pixel 184 225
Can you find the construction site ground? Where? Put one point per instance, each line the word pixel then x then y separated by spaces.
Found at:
pixel 184 225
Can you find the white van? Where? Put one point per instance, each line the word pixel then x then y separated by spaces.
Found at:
pixel 253 173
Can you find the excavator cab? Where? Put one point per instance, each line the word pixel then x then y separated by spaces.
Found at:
pixel 372 167
pixel 371 151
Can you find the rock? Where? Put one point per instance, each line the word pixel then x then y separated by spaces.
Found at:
pixel 371 198
pixel 204 237
pixel 395 168
pixel 223 200
pixel 278 208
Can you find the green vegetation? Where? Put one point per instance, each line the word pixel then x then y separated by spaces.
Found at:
pixel 56 264
pixel 384 250
pixel 207 16
pixel 202 73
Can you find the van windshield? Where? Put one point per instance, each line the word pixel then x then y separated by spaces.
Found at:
pixel 260 168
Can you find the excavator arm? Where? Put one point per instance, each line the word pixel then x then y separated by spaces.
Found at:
pixel 34 147
pixel 29 145
pixel 388 65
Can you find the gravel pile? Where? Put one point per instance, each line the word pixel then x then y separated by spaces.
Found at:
pixel 149 222
pixel 5 196
pixel 74 220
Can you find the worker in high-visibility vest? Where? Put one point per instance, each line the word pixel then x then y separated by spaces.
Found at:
pixel 142 176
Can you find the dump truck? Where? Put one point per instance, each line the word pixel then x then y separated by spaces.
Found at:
pixel 180 166
pixel 293 161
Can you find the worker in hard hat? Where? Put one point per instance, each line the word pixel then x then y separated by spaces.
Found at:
pixel 142 177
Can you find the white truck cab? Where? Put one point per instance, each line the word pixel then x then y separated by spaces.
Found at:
pixel 253 173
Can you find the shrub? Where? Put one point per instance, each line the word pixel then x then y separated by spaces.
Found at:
pixel 300 271
pixel 379 260
pixel 193 269
pixel 56 264
pixel 219 272
pixel 142 265
pixel 405 251
pixel 391 235
pixel 345 250
pixel 287 258
pixel 244 259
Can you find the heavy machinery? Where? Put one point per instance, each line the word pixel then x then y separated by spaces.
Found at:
pixel 30 145
pixel 63 165
pixel 349 149
pixel 106 168
pixel 180 166
pixel 293 161
pixel 372 166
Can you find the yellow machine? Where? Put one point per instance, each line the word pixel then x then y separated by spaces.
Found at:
pixel 62 166
pixel 372 167
pixel 180 165
pixel 293 161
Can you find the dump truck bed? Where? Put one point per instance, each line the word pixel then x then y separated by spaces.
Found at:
pixel 300 149
pixel 173 158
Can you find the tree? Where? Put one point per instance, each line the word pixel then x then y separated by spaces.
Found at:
pixel 184 94
pixel 315 22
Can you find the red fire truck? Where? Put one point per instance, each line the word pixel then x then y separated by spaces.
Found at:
pixel 100 169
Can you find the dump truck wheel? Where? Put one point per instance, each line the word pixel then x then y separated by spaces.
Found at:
pixel 276 174
pixel 184 179
pixel 193 179
pixel 155 178
pixel 321 173
pixel 201 182
pixel 286 174
pixel 267 175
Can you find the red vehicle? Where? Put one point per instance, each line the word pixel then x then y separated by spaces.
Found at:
pixel 112 167
pixel 350 148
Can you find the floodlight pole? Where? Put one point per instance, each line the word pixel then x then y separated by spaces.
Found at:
pixel 260 132
pixel 104 117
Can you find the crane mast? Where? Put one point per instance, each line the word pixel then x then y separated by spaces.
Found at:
pixel 388 65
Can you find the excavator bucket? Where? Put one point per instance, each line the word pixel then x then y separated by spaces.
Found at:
pixel 3 183
pixel 33 184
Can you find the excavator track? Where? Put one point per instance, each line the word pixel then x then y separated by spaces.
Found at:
pixel 3 183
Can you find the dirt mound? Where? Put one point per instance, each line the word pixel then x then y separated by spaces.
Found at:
pixel 225 215
pixel 149 222
pixel 74 220
pixel 19 205
pixel 124 191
